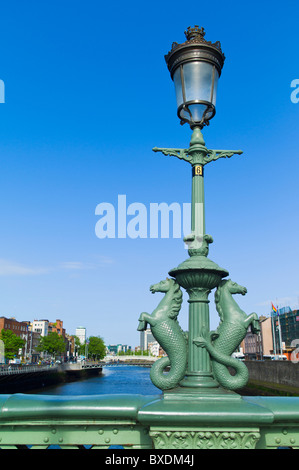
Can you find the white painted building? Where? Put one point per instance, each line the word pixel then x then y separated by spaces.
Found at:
pixel 154 348
pixel 146 337
pixel 40 326
pixel 81 334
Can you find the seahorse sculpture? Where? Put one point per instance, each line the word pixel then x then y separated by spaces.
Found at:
pixel 167 331
pixel 229 334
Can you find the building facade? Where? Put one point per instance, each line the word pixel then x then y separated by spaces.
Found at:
pixel 115 349
pixel 81 334
pixel 32 355
pixel 57 327
pixel 146 337
pixel 18 328
pixel 279 335
pixel 266 336
pixel 286 326
pixel 41 327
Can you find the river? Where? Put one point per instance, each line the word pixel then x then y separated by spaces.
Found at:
pixel 122 379
pixel 114 379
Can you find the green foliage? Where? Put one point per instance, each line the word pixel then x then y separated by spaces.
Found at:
pixel 12 343
pixel 96 348
pixel 79 347
pixel 77 342
pixel 52 344
pixel 129 352
pixel 142 353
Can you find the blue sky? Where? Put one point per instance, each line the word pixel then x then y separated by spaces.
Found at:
pixel 87 97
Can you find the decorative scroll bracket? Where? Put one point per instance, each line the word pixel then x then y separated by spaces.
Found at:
pixel 195 156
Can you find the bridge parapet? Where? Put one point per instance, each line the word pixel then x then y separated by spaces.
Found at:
pixel 146 422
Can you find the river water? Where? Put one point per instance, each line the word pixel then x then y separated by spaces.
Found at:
pixel 114 379
pixel 120 379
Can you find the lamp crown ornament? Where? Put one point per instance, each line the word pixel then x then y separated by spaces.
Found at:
pixel 193 33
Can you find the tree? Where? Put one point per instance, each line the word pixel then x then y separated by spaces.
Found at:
pixel 96 347
pixel 143 352
pixel 12 343
pixel 79 347
pixel 53 344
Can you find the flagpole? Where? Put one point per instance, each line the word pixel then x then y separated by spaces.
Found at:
pixel 279 332
pixel 273 310
pixel 273 332
pixel 279 328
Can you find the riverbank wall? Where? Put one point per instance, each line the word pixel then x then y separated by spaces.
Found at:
pixel 273 378
pixel 20 382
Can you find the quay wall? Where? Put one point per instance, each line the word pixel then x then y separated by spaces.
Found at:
pixel 28 381
pixel 274 372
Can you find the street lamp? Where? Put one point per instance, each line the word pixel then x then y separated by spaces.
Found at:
pixel 195 67
pixel 201 363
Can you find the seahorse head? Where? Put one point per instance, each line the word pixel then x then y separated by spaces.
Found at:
pixel 175 296
pixel 229 286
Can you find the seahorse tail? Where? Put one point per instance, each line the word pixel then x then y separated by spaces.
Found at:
pixel 171 378
pixel 220 362
pixel 172 339
pixel 231 382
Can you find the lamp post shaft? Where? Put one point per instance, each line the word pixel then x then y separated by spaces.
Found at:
pixel 198 201
pixel 199 368
pixel 198 274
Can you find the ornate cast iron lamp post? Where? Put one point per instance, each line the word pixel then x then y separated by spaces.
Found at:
pixel 199 359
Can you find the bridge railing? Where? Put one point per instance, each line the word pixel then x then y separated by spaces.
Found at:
pixel 148 422
pixel 11 370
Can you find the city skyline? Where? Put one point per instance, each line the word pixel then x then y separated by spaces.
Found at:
pixel 87 97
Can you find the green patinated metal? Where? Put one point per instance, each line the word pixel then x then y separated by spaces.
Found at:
pixel 168 333
pixel 168 421
pixel 198 156
pixel 199 275
pixel 231 331
pixel 98 421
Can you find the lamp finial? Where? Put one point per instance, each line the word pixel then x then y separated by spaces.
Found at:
pixel 195 32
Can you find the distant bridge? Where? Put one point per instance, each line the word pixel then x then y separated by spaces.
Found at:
pixel 132 360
